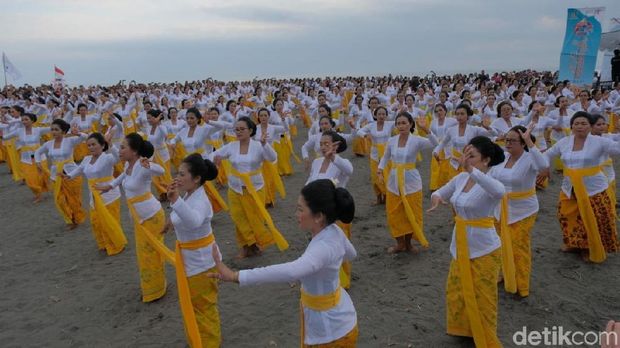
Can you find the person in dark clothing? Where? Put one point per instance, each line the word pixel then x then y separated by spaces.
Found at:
pixel 615 66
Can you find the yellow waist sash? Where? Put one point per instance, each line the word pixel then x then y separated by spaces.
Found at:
pixel 271 170
pixel 456 154
pixel 467 282
pixel 185 298
pixel 595 245
pixel 60 165
pixel 215 143
pixel 246 178
pixel 166 253
pixel 400 177
pixel 508 264
pixel 319 303
pixel 29 148
pixel 380 150
pixel 111 225
pixel 288 143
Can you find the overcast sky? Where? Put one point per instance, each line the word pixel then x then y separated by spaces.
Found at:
pixel 102 42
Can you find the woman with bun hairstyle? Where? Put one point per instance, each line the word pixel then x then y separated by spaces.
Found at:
pixel 59 152
pixel 146 212
pixel 379 132
pixel 156 134
pixel 328 317
pixel 174 125
pixel 404 183
pixel 28 141
pixel 313 144
pixel 337 169
pixel 86 124
pixel 456 138
pixel 192 139
pixel 191 218
pixel 517 212
pixel 105 209
pixel 273 181
pixel 585 210
pixel 246 195
pixel 600 128
pixel 440 164
pixel 471 287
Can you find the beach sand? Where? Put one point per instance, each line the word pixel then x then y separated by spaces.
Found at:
pixel 57 290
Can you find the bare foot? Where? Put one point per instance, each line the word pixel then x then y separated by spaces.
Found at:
pixel 567 249
pixel 242 254
pixel 396 249
pixel 255 250
pixel 413 249
pixel 37 200
pixel 71 227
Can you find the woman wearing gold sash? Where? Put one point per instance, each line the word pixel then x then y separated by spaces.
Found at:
pixel 519 207
pixel 471 287
pixel 246 195
pixel 457 137
pixel 404 187
pixel 28 141
pixel 105 209
pixel 585 210
pixel 146 212
pixel 328 317
pixel 273 181
pixel 191 218
pixel 192 139
pixel 600 128
pixel 59 151
pixel 440 163
pixel 333 167
pixel 157 134
pixel 379 131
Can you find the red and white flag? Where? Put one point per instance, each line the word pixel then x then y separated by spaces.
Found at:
pixel 59 73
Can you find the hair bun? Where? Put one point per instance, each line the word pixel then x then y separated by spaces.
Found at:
pixel 211 170
pixel 146 150
pixel 345 205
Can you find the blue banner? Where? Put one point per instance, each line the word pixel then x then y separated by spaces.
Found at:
pixel 581 42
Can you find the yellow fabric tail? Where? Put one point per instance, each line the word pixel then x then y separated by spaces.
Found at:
pixel 246 178
pixel 161 248
pixel 111 226
pixel 508 261
pixel 595 245
pixel 467 283
pixel 400 176
pixel 185 299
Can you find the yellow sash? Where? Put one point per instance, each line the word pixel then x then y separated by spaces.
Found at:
pixel 508 262
pixel 380 150
pixel 28 148
pixel 185 298
pixel 456 154
pixel 595 245
pixel 400 177
pixel 319 303
pixel 13 159
pixel 111 225
pixel 467 282
pixel 215 143
pixel 57 185
pixel 246 178
pixel 287 142
pixel 157 159
pixel 271 170
pixel 166 253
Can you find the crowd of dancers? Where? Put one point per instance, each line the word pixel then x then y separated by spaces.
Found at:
pixel 495 140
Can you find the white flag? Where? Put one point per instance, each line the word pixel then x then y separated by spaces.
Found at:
pixel 10 69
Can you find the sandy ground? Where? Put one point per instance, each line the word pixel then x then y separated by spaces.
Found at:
pixel 57 290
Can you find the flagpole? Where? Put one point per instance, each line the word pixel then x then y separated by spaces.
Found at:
pixel 4 69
